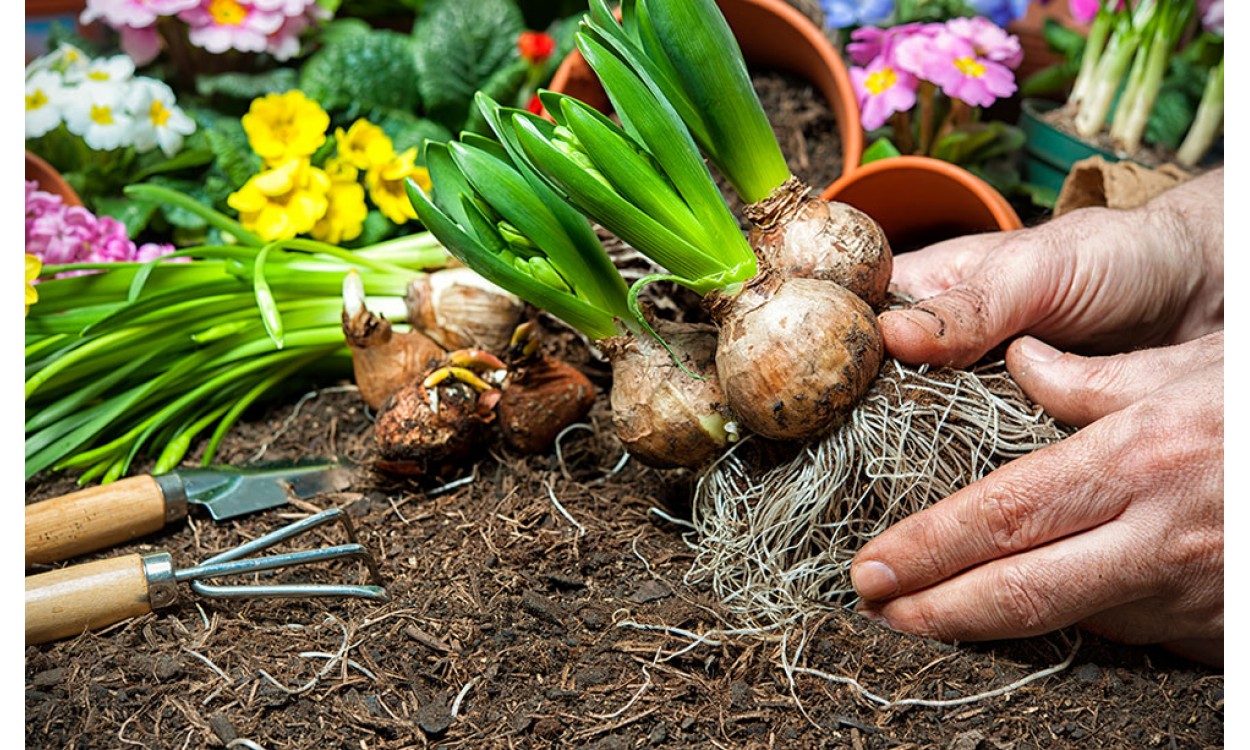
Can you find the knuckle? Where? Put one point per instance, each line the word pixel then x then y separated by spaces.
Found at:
pixel 1021 602
pixel 1010 521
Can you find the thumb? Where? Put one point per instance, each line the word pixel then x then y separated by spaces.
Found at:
pixel 1078 390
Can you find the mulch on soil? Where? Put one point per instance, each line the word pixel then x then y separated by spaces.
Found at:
pixel 541 601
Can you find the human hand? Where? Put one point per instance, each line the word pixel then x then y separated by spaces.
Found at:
pixel 1102 280
pixel 1119 527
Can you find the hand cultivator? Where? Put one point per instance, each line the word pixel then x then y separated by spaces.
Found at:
pixel 65 602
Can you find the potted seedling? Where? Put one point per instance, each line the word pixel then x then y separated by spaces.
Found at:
pixel 1149 86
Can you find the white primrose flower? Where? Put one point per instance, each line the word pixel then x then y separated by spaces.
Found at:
pixel 44 99
pixel 98 114
pixel 103 70
pixel 157 119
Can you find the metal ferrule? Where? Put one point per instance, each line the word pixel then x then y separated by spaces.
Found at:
pixel 158 569
pixel 175 493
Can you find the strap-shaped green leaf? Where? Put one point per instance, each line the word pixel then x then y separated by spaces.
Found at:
pixel 576 226
pixel 507 191
pixel 651 65
pixel 633 174
pixel 668 140
pixel 619 216
pixel 592 321
pixel 696 38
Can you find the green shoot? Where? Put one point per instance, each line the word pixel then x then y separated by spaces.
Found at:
pixel 147 357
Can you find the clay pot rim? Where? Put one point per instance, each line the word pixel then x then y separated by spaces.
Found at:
pixel 845 107
pixel 50 179
pixel 1004 215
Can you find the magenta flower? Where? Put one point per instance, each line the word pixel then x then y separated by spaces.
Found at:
pixel 953 64
pixel 142 45
pixel 58 234
pixel 1083 11
pixel 988 39
pixel 871 42
pixel 222 25
pixel 882 90
pixel 133 13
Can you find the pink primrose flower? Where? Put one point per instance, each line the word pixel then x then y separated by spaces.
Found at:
pixel 882 90
pixel 132 13
pixel 141 44
pixel 988 39
pixel 152 250
pixel 221 25
pixel 871 42
pixel 953 64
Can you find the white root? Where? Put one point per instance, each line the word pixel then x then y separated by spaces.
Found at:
pixel 775 541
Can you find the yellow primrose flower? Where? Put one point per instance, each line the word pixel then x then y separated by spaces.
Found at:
pixel 280 203
pixel 285 126
pixel 364 144
pixel 33 267
pixel 345 215
pixel 386 185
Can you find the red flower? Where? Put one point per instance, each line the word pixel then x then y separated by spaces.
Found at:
pixel 535 46
pixel 535 105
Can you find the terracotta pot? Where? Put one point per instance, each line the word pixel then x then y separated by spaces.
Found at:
pixel 50 180
pixel 919 200
pixel 771 34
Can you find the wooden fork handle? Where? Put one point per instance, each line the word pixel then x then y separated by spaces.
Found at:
pixel 67 601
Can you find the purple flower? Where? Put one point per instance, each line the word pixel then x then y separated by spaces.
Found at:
pixel 882 90
pixel 1001 12
pixel 988 39
pixel 152 250
pixel 58 234
pixel 1212 14
pixel 839 14
pixel 953 64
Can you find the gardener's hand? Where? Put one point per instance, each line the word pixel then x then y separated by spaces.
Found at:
pixel 1099 280
pixel 1119 527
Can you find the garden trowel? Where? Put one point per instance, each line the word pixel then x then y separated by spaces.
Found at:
pixel 109 514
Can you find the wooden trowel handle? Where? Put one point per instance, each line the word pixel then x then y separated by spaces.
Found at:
pixel 95 518
pixel 65 602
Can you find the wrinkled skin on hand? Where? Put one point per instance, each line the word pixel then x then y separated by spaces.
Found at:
pixel 1119 527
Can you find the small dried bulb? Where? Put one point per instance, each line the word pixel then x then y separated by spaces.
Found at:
pixel 459 309
pixel 383 359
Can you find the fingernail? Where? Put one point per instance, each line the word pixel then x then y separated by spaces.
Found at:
pixel 927 320
pixel 872 614
pixel 874 580
pixel 1037 350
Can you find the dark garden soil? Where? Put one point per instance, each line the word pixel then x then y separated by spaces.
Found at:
pixel 540 601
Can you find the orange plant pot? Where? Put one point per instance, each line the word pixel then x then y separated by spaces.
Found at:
pixel 918 200
pixel 50 180
pixel 771 34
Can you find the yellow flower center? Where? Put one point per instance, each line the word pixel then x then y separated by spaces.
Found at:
pixel 159 114
pixel 227 12
pixel 36 100
pixel 970 67
pixel 881 81
pixel 98 75
pixel 101 114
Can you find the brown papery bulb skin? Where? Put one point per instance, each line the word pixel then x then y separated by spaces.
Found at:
pixel 541 399
pixel 794 355
pixel 383 359
pixel 663 416
pixel 416 439
pixel 815 239
pixel 461 310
